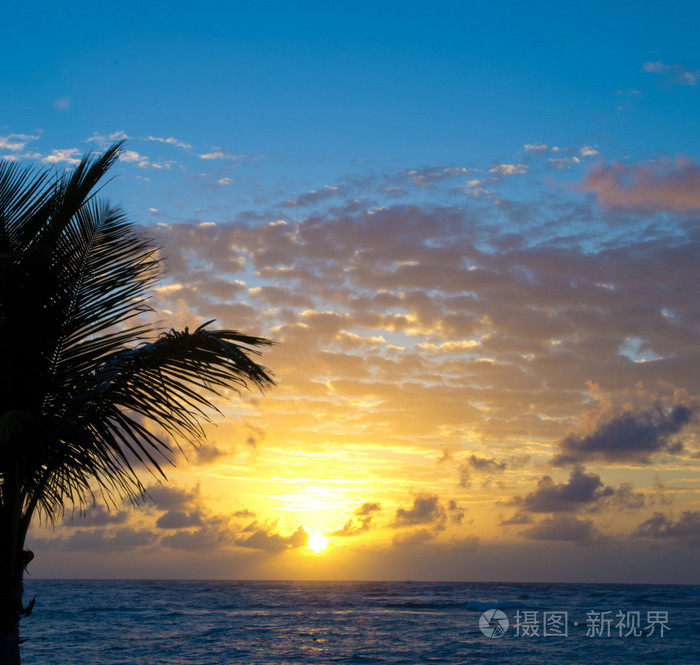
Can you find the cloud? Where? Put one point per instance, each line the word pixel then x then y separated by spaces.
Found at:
pixel 313 197
pixel 16 142
pixel 562 528
pixel 131 156
pixel 68 156
pixel 368 508
pixel 355 527
pixel 628 437
pixel 177 519
pixel 212 535
pixel 660 527
pixel 268 540
pixel 352 528
pixel 485 464
pixel 672 74
pixel 206 453
pixel 664 184
pixel 428 175
pixel 625 497
pixel 518 519
pixel 171 141
pixel 426 509
pixel 99 540
pixel 380 288
pixel 455 512
pixel 509 169
pixel 142 161
pixel 256 435
pixel 103 140
pixel 95 515
pixel 217 153
pixel 561 163
pixel 244 513
pixel 579 491
pixel 415 537
pixel 589 151
pixel 536 147
pixel 482 465
pixel 172 498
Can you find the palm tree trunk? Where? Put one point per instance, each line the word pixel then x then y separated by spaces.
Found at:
pixel 12 565
pixel 10 610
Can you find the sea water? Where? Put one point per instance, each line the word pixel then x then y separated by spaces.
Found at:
pixel 101 622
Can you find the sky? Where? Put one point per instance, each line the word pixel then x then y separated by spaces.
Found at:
pixel 472 230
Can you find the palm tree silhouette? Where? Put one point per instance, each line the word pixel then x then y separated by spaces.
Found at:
pixel 79 387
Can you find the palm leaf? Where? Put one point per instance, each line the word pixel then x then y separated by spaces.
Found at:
pixel 83 391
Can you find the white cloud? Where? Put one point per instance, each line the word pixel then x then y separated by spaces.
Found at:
pixel 170 141
pixel 142 161
pixel 509 169
pixel 588 151
pixel 561 163
pixel 16 141
pixel 217 153
pixel 536 147
pixel 131 156
pixel 106 139
pixel 673 74
pixel 69 156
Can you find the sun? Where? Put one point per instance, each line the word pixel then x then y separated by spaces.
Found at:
pixel 317 541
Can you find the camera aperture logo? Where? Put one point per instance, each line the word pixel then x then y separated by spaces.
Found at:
pixel 493 623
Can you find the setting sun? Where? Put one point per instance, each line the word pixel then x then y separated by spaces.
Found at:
pixel 317 541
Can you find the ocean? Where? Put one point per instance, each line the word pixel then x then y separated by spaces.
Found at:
pixel 120 622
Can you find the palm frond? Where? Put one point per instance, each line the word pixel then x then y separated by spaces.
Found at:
pixel 83 393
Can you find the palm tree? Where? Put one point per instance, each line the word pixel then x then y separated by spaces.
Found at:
pixel 80 390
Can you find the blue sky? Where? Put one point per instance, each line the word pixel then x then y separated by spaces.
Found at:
pixel 410 81
pixel 473 229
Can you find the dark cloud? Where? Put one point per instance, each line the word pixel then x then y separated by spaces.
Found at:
pixel 313 197
pixel 177 519
pixel 244 513
pixel 256 435
pixel 626 497
pixel 426 509
pixel 360 524
pixel 446 456
pixel 429 175
pixel 428 322
pixel 368 508
pixel 207 453
pixel 95 515
pixel 100 540
pixel 352 527
pixel 210 536
pixel 455 512
pixel 486 464
pixel 686 529
pixel 665 184
pixel 660 495
pixel 581 490
pixel 268 540
pixel 481 465
pixel 628 437
pixel 172 498
pixel 518 519
pixel 562 527
pixel 414 537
